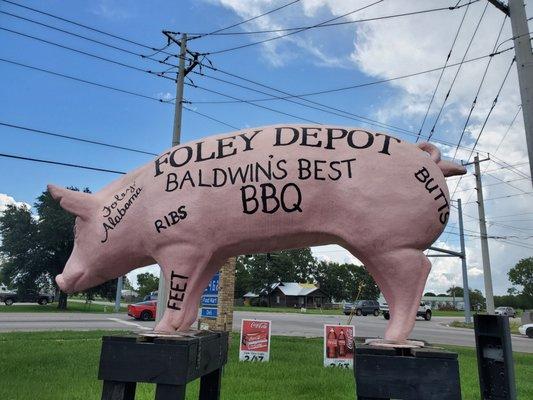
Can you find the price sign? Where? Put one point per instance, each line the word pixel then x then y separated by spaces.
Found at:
pixel 255 340
pixel 338 346
pixel 209 312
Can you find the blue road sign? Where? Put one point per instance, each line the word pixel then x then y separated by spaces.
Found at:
pixel 209 312
pixel 209 300
pixel 212 288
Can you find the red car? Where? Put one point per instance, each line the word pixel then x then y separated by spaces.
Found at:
pixel 145 310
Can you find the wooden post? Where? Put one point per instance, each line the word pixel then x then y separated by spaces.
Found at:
pixel 406 373
pixel 170 362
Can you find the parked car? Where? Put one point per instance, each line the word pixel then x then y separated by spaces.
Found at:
pixel 362 307
pixel 424 311
pixel 527 330
pixel 506 311
pixel 151 296
pixel 27 296
pixel 145 310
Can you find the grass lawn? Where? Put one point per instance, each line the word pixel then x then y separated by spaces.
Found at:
pixel 72 306
pixel 63 365
pixel 458 324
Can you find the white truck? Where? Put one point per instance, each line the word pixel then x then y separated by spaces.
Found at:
pixel 424 311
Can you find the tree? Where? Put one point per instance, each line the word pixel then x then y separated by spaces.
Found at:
pixel 147 283
pixel 345 282
pixel 477 301
pixel 455 291
pixel 18 229
pixel 262 270
pixel 242 278
pixel 522 274
pixel 35 249
pixel 107 290
pixel 126 284
pixel 430 294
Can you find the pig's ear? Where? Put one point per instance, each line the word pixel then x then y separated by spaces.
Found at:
pixel 77 203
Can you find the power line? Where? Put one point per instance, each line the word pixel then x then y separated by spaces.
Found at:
pixel 474 102
pixel 61 163
pixel 252 104
pixel 218 31
pixel 375 82
pixel 74 138
pixel 494 102
pixel 384 17
pixel 503 197
pixel 108 87
pixel 84 26
pixel 512 215
pixel 73 34
pixel 101 85
pixel 508 166
pixel 442 71
pixel 311 105
pixel 211 118
pixel 77 35
pixel 508 129
pixel 289 33
pixel 493 184
pixel 86 53
pixel 432 131
pixel 160 74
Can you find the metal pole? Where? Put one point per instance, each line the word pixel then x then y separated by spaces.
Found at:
pixel 162 290
pixel 524 65
pixel 487 276
pixel 119 293
pixel 466 290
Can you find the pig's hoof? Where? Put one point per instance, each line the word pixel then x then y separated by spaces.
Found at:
pixel 405 344
pixel 164 327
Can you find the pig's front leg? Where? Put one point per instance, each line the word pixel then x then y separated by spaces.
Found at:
pixel 184 267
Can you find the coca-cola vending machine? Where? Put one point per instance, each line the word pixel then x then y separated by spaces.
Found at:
pixel 255 340
pixel 338 346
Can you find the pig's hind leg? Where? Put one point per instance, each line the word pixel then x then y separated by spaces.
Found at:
pixel 184 267
pixel 401 275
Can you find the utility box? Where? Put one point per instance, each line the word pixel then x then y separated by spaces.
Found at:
pixel 494 357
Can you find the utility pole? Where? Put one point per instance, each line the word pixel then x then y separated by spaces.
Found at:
pixel 485 256
pixel 162 290
pixel 524 64
pixel 119 293
pixel 466 290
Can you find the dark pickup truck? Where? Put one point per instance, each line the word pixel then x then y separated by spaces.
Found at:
pixel 28 296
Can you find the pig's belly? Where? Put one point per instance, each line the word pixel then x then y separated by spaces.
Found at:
pixel 378 204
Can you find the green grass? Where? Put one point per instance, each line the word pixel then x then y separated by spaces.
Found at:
pixel 64 365
pixel 72 306
pixel 458 324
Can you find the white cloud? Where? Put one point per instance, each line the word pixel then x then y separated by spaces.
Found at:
pixel 165 96
pixel 6 200
pixel 112 9
pixel 389 48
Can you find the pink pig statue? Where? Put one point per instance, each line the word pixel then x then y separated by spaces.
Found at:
pixel 263 190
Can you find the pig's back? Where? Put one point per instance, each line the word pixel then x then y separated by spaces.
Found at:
pixel 262 191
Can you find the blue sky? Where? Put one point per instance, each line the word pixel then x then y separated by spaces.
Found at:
pixel 305 62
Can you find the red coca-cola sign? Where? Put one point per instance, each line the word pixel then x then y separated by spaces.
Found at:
pixel 338 346
pixel 259 325
pixel 255 340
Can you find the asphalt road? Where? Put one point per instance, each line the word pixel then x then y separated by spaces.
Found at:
pixel 310 325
